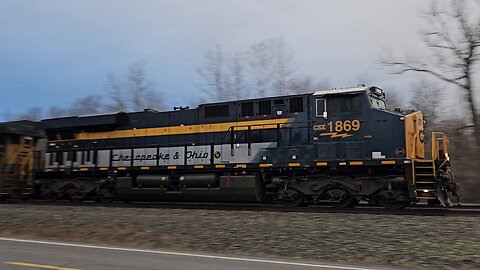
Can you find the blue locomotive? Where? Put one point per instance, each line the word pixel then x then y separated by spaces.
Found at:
pixel 332 147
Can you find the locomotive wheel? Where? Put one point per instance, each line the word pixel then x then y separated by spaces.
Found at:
pixel 340 198
pixel 291 198
pixel 354 203
pixel 75 195
pixel 392 204
pixel 17 192
pixel 48 193
pixel 106 195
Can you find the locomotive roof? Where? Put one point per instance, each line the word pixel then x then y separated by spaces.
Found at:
pixel 23 127
pixel 341 91
pixel 113 120
pixel 100 120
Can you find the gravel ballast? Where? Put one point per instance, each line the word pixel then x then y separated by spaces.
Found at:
pixel 436 242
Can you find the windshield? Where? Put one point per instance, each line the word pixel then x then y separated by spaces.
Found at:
pixel 378 103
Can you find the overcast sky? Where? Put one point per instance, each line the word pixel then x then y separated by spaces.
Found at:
pixel 53 52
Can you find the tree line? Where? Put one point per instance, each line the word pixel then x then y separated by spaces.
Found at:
pixel 133 92
pixel 266 68
pixel 451 37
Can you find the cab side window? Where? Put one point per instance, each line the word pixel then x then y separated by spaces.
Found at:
pixel 345 105
pixel 321 105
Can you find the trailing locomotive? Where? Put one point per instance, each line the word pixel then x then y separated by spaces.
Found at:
pixel 332 146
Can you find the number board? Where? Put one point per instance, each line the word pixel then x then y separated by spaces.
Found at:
pixel 339 128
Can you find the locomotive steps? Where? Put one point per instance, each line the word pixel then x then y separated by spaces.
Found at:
pixel 425 179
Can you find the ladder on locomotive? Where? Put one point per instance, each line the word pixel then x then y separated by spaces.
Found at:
pixel 16 173
pixel 425 179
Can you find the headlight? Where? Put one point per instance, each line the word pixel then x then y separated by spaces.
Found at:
pixel 447 157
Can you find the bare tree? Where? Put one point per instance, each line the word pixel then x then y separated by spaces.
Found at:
pixel 213 75
pixel 32 114
pixel 271 67
pixel 393 98
pixel 237 77
pixel 154 100
pixel 138 87
pixel 116 94
pixel 87 105
pixel 323 84
pixel 427 97
pixel 259 67
pixel 301 86
pixel 135 92
pixel 266 68
pixel 56 111
pixel 453 38
pixel 282 66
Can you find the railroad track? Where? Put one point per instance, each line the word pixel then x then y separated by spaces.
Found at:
pixel 423 210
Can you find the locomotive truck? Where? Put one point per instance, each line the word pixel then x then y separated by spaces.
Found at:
pixel 332 147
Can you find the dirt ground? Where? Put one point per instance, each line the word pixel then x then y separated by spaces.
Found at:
pixel 434 242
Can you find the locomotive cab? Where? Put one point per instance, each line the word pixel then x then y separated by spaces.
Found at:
pixel 353 127
pixel 355 121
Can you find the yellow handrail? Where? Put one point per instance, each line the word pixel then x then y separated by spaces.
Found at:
pixel 436 138
pixel 414 147
pixel 413 157
pixel 24 163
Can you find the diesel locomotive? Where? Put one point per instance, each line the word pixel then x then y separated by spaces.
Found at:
pixel 332 147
